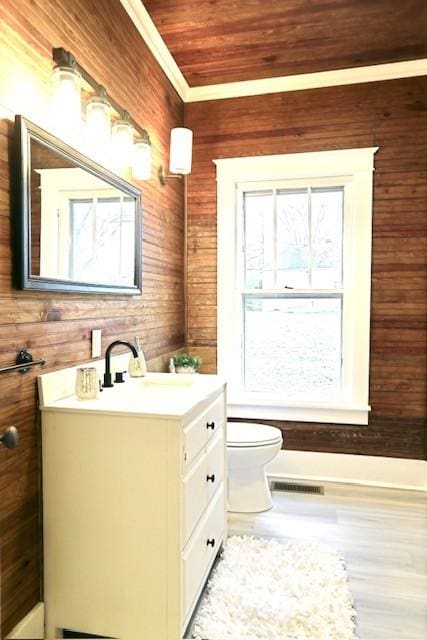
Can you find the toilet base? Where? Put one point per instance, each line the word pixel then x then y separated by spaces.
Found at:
pixel 248 492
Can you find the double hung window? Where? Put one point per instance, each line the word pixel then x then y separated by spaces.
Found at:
pixel 294 284
pixel 291 287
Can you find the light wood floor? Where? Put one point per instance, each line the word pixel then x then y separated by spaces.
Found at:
pixel 382 534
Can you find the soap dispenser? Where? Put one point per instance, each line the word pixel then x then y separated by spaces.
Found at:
pixel 137 366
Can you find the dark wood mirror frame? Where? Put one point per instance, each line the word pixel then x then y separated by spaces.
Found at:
pixel 25 131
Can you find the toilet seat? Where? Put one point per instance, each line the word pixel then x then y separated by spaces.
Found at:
pixel 249 434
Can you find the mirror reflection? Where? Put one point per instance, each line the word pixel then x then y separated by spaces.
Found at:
pixel 78 223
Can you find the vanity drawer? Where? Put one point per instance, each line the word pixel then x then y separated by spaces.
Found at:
pixel 200 551
pixel 201 482
pixel 197 433
pixel 215 463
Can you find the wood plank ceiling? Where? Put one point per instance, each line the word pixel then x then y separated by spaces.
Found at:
pixel 217 41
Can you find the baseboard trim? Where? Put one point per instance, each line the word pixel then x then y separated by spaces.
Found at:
pixel 397 473
pixel 31 627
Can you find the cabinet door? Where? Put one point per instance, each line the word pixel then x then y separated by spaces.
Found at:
pixel 194 496
pixel 199 554
pixel 201 482
pixel 215 463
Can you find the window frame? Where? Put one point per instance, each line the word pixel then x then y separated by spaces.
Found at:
pixel 353 169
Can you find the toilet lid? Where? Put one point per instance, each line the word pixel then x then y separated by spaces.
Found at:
pixel 249 434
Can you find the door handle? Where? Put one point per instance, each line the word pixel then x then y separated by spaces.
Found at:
pixel 10 438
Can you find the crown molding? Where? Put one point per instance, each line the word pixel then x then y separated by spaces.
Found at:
pixel 304 81
pixel 152 38
pixel 339 77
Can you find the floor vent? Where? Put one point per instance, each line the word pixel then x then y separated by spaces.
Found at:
pixel 297 488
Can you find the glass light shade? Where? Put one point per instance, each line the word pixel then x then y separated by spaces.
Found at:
pixel 66 103
pixel 141 164
pixel 122 144
pixel 181 142
pixel 98 128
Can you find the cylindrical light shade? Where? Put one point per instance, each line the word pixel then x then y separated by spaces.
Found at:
pixel 141 164
pixel 98 128
pixel 122 144
pixel 66 103
pixel 180 150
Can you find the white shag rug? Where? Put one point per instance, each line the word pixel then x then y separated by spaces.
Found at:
pixel 265 589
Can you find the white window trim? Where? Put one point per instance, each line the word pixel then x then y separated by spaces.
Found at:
pixel 356 167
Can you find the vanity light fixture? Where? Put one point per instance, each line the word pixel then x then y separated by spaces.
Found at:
pixel 181 141
pixel 111 143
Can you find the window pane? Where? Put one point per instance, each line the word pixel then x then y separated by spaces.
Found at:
pixel 82 226
pixel 259 240
pixel 292 239
pixel 101 229
pixel 292 345
pixel 326 237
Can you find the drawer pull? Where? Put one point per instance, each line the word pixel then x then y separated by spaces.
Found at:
pixel 210 542
pixel 210 425
pixel 210 478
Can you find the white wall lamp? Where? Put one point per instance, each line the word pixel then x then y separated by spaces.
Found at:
pixel 110 144
pixel 180 152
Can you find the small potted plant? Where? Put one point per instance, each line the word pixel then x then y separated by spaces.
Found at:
pixel 186 364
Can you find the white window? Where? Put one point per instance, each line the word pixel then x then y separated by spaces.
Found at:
pixel 101 227
pixel 294 254
pixel 91 223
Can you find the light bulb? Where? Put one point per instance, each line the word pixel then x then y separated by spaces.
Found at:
pixel 180 150
pixel 98 128
pixel 66 103
pixel 121 144
pixel 141 164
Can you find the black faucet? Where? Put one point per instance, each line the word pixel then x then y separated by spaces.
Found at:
pixel 107 375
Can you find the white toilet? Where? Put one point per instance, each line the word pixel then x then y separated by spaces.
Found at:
pixel 249 448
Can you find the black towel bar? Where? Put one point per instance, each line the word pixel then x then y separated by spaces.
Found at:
pixel 24 360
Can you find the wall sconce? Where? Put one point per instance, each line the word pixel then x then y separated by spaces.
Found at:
pixel 181 142
pixel 109 144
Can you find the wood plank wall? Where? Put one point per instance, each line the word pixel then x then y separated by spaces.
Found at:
pixel 57 326
pixel 393 116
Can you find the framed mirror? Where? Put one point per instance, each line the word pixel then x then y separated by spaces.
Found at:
pixel 78 224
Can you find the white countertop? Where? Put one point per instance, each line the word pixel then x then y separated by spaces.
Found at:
pixel 156 394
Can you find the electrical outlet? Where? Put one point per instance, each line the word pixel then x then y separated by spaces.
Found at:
pixel 96 343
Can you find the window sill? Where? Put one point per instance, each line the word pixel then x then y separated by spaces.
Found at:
pixel 245 406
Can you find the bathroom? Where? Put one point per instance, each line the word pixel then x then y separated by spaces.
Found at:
pixel 376 99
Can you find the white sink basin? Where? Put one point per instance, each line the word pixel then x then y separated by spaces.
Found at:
pixel 176 381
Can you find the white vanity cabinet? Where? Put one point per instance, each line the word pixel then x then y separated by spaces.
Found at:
pixel 134 505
